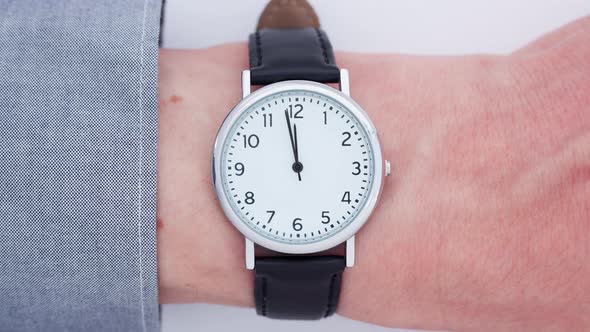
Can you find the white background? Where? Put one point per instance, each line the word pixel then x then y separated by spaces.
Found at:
pixel 410 26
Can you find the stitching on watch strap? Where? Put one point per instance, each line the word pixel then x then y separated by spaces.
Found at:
pixel 264 292
pixel 322 46
pixel 330 306
pixel 258 48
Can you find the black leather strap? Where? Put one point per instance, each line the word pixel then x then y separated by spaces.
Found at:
pixel 291 54
pixel 295 287
pixel 298 287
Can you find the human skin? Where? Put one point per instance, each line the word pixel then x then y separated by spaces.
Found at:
pixel 484 224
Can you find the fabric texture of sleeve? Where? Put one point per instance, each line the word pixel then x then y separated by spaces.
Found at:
pixel 78 137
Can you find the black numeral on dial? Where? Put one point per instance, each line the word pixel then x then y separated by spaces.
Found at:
pixel 272 214
pixel 249 198
pixel 267 119
pixel 325 217
pixel 347 136
pixel 251 141
pixel 240 169
pixel 357 168
pixel 346 197
pixel 295 111
pixel 297 225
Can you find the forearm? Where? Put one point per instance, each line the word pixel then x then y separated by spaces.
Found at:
pixel 486 185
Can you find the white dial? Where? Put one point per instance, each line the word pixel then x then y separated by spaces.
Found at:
pixel 297 166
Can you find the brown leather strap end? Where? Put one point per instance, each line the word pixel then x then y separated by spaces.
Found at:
pixel 285 14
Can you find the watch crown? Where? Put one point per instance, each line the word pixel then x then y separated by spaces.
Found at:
pixel 387 168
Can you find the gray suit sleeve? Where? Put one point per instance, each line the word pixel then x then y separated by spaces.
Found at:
pixel 78 122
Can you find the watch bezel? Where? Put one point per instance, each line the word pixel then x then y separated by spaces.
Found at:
pixel 373 196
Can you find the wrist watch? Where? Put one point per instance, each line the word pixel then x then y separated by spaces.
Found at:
pixel 297 166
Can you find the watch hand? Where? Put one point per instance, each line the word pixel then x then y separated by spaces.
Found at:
pixel 291 135
pixel 297 166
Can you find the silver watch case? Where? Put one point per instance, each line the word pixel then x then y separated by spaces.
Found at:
pixel 346 234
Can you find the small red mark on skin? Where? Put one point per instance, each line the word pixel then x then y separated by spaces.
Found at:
pixel 159 223
pixel 175 99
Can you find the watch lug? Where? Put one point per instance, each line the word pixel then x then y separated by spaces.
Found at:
pixel 249 254
pixel 350 252
pixel 246 87
pixel 344 82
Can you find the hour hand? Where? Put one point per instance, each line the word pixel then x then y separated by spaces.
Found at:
pixel 290 134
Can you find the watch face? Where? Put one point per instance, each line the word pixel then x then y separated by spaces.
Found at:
pixel 297 165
